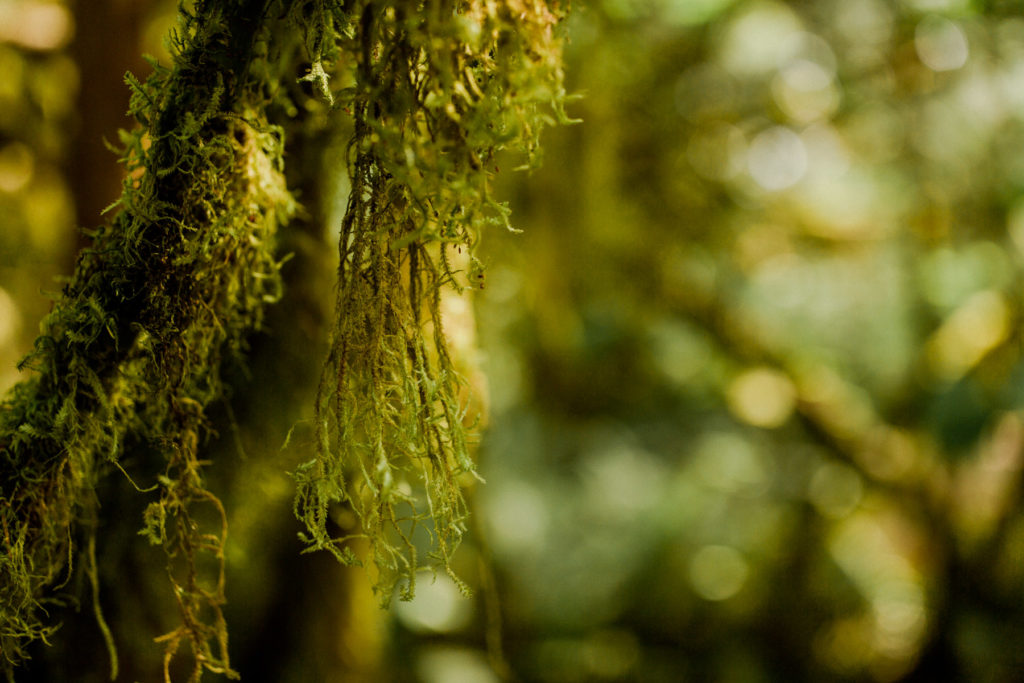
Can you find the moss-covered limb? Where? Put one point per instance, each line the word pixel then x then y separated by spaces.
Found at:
pixel 436 90
pixel 130 354
pixel 130 357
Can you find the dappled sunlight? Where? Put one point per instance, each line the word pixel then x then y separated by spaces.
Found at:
pixel 38 87
pixel 518 517
pixel 971 331
pixel 454 665
pixel 16 166
pixel 437 608
pixel 805 89
pixel 761 37
pixel 35 25
pixel 10 327
pixel 718 572
pixel 808 330
pixel 896 623
pixel 940 43
pixel 777 158
pixel 763 397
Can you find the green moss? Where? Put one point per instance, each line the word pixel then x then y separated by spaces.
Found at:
pixel 129 359
pixel 435 90
pixel 130 355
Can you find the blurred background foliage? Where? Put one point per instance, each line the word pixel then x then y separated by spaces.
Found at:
pixel 754 364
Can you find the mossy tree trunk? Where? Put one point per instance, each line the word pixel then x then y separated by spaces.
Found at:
pixel 130 367
pixel 130 356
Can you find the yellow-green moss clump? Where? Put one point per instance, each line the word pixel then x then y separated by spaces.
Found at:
pixel 435 90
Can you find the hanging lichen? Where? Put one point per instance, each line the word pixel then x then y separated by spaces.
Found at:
pixel 436 90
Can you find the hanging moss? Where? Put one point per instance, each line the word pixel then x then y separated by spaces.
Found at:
pixel 130 355
pixel 129 358
pixel 436 90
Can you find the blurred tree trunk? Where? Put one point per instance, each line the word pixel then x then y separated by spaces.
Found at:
pixel 106 44
pixel 294 616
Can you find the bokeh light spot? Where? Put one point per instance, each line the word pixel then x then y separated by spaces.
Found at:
pixel 439 607
pixel 621 481
pixel 763 397
pixel 679 351
pixel 729 463
pixel 718 572
pixel 864 21
pixel 804 90
pixel 9 319
pixel 16 166
pixel 453 665
pixel 760 39
pixel 941 44
pixel 835 489
pixel 777 158
pixel 35 25
pixel 519 517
